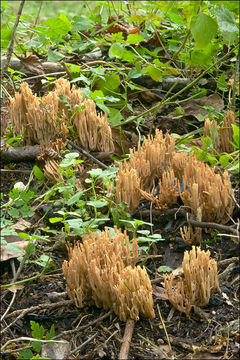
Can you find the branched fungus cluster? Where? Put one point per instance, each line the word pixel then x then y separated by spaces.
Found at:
pixel 41 119
pixel 200 279
pixel 101 270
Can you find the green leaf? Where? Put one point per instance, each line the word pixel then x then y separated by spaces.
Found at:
pixel 25 354
pixel 51 334
pixel 164 269
pixel 37 330
pixel 37 346
pixel 55 220
pixel 155 72
pixel 30 249
pixel 97 204
pixel 55 56
pixel 81 23
pixel 226 23
pixel 203 29
pixel 13 247
pixel 134 38
pixel 114 116
pixel 236 131
pixel 110 83
pixel 38 173
pixel 24 236
pixel 26 211
pixel 224 160
pixel 75 198
pixel 59 26
pixel 14 213
pixel 119 51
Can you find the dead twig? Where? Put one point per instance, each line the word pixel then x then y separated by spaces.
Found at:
pixel 84 152
pixel 84 343
pixel 10 47
pixel 123 355
pixel 72 331
pixel 18 314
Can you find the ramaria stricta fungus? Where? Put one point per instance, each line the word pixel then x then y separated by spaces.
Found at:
pixel 41 119
pixel 200 280
pixel 101 270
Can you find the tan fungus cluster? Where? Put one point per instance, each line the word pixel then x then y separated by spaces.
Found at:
pixel 102 270
pixel 200 280
pixel 41 119
pixel 145 165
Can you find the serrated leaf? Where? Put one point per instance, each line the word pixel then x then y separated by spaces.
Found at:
pixel 37 330
pixel 203 29
pixel 14 213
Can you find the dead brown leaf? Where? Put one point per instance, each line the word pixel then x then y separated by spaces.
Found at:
pixel 33 64
pixel 159 292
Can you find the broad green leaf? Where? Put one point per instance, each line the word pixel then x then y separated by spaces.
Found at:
pixel 110 83
pixel 226 23
pixel 81 23
pixel 26 354
pixel 236 140
pixel 203 29
pixel 97 204
pixel 134 38
pixel 114 116
pixel 26 211
pixel 24 236
pixel 155 73
pixel 75 198
pixel 164 269
pixel 13 247
pixel 55 56
pixel 119 51
pixel 37 330
pixel 30 249
pixel 59 26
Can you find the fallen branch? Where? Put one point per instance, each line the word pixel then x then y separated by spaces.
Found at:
pixel 123 355
pixel 20 154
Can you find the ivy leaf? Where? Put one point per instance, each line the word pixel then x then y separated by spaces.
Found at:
pixel 203 29
pixel 226 23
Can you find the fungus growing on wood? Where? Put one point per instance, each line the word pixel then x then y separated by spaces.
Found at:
pixel 102 270
pixel 200 279
pixel 40 120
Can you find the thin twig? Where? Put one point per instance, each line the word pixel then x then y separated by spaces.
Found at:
pixel 123 354
pixel 164 328
pixel 78 329
pixel 9 307
pixel 84 343
pixel 10 47
pixel 84 152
